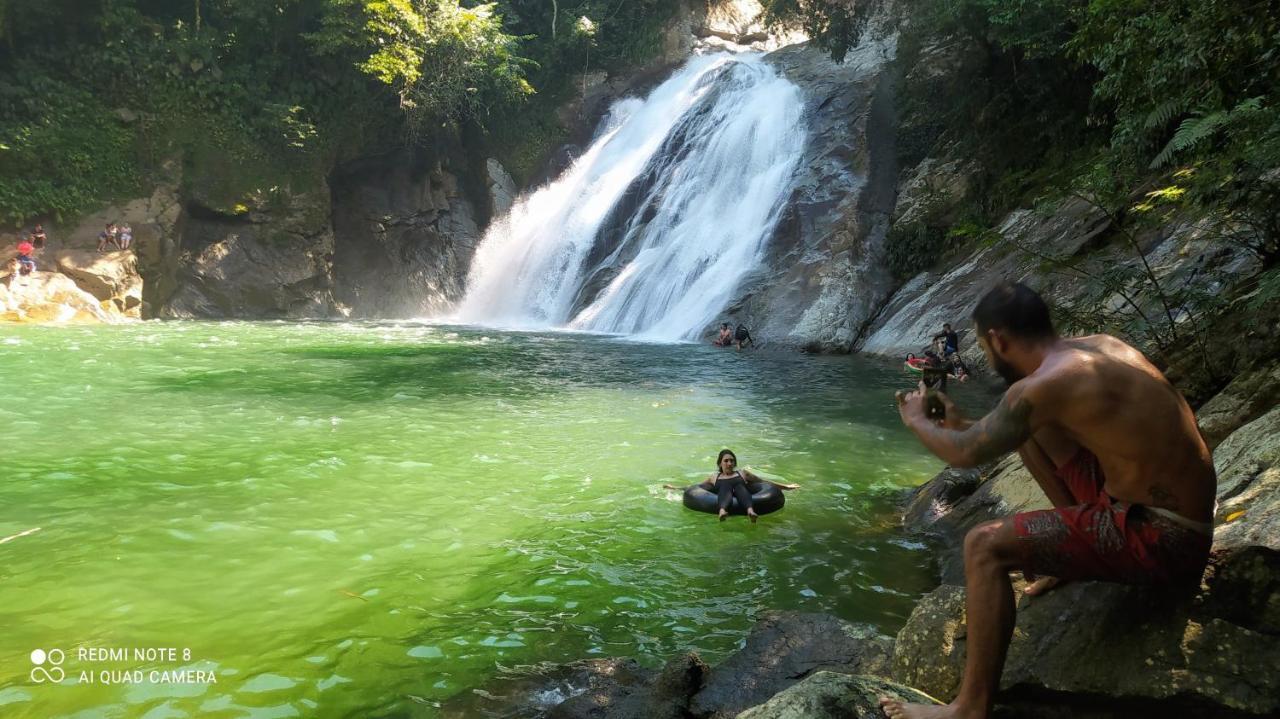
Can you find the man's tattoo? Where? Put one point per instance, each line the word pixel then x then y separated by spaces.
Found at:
pixel 1162 496
pixel 1001 431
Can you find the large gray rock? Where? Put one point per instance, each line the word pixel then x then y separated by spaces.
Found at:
pixel 267 259
pixel 823 278
pixel 782 649
pixel 956 500
pixel 590 686
pixel 1247 397
pixel 828 695
pixel 502 189
pixel 917 311
pixel 666 697
pixel 404 235
pixel 1094 639
pixel 1248 465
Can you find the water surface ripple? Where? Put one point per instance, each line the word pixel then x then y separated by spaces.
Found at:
pixel 363 519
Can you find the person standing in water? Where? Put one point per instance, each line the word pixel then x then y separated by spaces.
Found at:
pixel 1116 450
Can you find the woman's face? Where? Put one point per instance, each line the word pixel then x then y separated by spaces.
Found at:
pixel 727 463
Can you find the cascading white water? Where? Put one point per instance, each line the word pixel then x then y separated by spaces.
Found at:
pixel 651 230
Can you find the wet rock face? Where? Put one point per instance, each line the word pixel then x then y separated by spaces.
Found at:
pixel 917 311
pixel 822 279
pixel 269 260
pixel 404 236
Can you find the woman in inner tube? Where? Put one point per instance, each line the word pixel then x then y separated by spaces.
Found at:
pixel 729 482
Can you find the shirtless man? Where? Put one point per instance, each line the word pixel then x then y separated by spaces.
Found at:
pixel 1114 447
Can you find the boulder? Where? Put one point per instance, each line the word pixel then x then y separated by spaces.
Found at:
pixel 1248 465
pixel 666 697
pixel 50 297
pixel 1091 639
pixel 829 695
pixel 532 692
pixel 246 276
pixel 109 276
pixel 956 500
pixel 1247 396
pixel 784 648
pixel 738 26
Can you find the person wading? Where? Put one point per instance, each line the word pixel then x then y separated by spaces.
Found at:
pixel 1114 447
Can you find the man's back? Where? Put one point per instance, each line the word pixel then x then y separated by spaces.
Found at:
pixel 1106 396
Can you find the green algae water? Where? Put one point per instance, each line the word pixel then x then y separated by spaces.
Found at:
pixel 365 519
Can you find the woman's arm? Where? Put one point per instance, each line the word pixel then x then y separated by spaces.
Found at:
pixel 749 476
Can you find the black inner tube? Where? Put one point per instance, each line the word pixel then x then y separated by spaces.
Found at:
pixel 765 498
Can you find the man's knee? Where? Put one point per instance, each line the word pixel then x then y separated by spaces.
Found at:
pixel 991 541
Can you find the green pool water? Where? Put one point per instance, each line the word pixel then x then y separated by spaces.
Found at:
pixel 365 519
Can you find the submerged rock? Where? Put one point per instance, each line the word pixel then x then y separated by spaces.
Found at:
pixel 784 648
pixel 829 695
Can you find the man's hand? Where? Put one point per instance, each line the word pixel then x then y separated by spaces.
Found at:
pixel 911 406
pixel 954 418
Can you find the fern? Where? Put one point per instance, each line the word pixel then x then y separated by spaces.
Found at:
pixel 1164 112
pixel 1191 132
pixel 1194 130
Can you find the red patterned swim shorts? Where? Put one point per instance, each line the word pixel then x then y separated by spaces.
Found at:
pixel 1105 539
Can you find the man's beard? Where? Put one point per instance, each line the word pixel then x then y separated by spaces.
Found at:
pixel 1005 370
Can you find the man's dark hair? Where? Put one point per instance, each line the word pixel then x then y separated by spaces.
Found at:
pixel 946 325
pixel 1014 308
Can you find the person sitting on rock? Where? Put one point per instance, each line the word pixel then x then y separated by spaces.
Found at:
pixel 1116 450
pixel 950 340
pixel 38 237
pixel 124 236
pixel 726 336
pixel 108 237
pixel 26 265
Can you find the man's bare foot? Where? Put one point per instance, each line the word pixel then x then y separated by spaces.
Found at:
pixel 751 513
pixel 723 515
pixel 895 709
pixel 1041 586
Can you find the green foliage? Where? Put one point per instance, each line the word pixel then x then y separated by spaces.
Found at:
pixel 259 93
pixel 63 158
pixel 834 25
pixel 913 247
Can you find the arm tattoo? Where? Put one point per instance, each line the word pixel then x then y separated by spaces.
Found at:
pixel 1163 497
pixel 1005 429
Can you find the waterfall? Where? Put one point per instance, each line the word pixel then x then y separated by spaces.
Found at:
pixel 651 230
